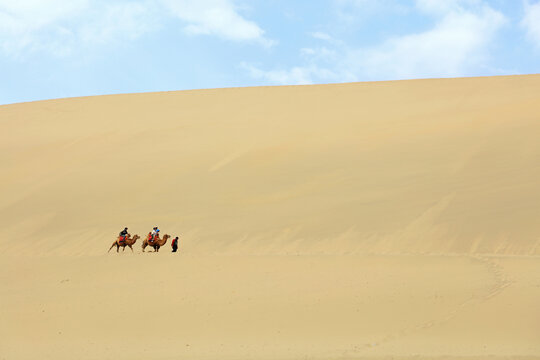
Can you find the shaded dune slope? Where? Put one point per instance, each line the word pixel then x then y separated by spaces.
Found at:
pixel 423 166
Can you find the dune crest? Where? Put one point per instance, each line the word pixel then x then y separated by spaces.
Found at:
pixel 392 220
pixel 425 166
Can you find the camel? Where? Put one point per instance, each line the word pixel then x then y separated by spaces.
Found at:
pixel 157 243
pixel 128 242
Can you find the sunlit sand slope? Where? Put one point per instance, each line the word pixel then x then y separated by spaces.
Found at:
pixel 392 220
pixel 165 306
pixel 426 166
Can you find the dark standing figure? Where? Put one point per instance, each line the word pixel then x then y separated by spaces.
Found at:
pixel 174 244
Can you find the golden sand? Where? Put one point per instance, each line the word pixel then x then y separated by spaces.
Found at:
pixel 350 221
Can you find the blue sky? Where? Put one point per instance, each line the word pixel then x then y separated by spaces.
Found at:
pixel 57 48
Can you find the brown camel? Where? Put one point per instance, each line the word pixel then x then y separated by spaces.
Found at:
pixel 157 243
pixel 128 242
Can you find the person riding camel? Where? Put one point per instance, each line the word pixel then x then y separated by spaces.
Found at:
pixel 154 233
pixel 123 235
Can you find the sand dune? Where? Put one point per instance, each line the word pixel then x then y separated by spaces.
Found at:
pixel 363 220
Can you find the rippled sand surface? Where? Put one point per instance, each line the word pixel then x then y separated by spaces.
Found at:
pixel 385 220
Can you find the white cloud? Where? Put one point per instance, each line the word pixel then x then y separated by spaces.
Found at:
pixel 307 51
pixel 316 70
pixel 36 24
pixel 320 53
pixel 442 7
pixel 26 15
pixel 300 75
pixel 457 45
pixel 216 17
pixel 352 11
pixel 120 20
pixel 57 26
pixel 321 36
pixel 531 22
pixel 368 5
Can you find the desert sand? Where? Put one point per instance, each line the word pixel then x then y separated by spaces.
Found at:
pixel 383 220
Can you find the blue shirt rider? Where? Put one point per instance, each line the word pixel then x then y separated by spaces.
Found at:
pixel 155 233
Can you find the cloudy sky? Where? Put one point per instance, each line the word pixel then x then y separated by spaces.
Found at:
pixel 57 48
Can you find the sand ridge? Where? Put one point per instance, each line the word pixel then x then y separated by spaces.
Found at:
pixel 347 221
pixel 365 165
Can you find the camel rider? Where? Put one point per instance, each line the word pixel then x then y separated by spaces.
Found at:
pixel 123 234
pixel 155 233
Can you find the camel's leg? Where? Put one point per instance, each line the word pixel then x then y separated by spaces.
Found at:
pixel 143 246
pixel 131 248
pixel 114 243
